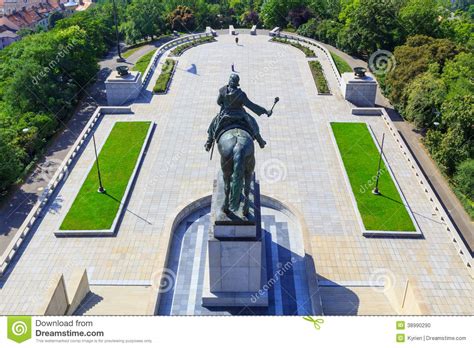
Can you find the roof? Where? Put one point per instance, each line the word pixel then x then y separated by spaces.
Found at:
pixel 4 21
pixel 30 17
pixel 8 33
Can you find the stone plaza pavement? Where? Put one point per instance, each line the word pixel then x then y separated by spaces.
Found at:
pixel 299 167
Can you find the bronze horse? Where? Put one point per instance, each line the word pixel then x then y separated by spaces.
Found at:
pixel 234 130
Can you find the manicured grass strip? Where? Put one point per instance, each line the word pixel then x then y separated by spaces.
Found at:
pixel 143 62
pixel 163 80
pixel 117 159
pixel 181 48
pixel 132 50
pixel 341 65
pixel 318 76
pixel 308 52
pixel 385 212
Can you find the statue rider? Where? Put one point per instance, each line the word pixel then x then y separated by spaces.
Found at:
pixel 232 101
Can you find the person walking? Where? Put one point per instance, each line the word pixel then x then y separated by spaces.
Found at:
pixel 237 40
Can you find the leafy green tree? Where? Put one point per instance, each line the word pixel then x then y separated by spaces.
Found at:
pixel 464 178
pixel 454 141
pixel 414 58
pixel 420 17
pixel 370 25
pixel 458 75
pixel 11 157
pixel 459 28
pixel 425 96
pixel 309 28
pixel 274 13
pixel 144 20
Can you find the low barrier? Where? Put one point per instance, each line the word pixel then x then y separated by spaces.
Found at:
pixel 60 175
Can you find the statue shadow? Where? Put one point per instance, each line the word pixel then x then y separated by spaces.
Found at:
pixel 337 299
pixel 291 286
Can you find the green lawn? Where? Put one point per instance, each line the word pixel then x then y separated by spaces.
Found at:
pixel 143 62
pixel 341 65
pixel 117 159
pixel 132 50
pixel 385 212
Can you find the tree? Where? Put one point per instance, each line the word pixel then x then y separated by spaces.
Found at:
pixel 421 17
pixel 414 58
pixel 298 16
pixel 425 96
pixel 458 75
pixel 459 28
pixel 54 17
pixel 274 13
pixel 454 141
pixel 464 178
pixel 182 19
pixel 144 20
pixel 11 157
pixel 370 25
pixel 250 18
pixel 309 28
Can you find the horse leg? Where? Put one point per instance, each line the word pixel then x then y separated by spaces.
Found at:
pixel 236 182
pixel 249 168
pixel 226 151
pixel 225 205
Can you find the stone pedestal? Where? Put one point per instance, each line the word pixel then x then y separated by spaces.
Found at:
pixel 123 89
pixel 235 269
pixel 359 91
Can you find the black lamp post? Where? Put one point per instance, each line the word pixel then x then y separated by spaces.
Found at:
pixel 101 187
pixel 120 59
pixel 376 191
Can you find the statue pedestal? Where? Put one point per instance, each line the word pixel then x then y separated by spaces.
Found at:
pixel 123 89
pixel 235 270
pixel 359 91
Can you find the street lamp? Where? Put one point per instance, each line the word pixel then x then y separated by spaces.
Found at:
pixel 101 187
pixel 120 59
pixel 376 191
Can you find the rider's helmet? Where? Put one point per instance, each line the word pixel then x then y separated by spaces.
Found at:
pixel 234 80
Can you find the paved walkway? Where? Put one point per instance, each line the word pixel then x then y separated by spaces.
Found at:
pixel 438 182
pixel 17 206
pixel 299 167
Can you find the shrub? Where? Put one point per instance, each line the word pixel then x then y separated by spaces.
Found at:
pixel 307 51
pixel 163 80
pixel 181 48
pixel 318 76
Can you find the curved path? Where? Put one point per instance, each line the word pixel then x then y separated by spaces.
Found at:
pixel 299 167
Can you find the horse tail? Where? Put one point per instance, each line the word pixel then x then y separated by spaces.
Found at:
pixel 237 181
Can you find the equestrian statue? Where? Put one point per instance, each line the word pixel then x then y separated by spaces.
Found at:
pixel 234 131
